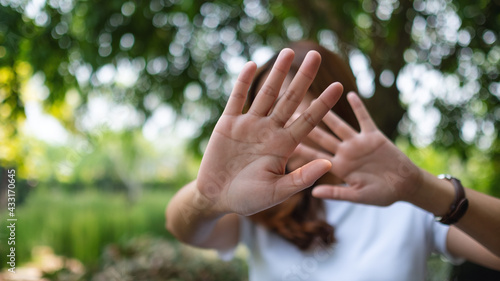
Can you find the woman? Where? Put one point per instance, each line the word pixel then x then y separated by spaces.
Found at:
pixel 299 220
pixel 242 193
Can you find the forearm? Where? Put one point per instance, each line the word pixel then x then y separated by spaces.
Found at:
pixel 482 219
pixel 190 216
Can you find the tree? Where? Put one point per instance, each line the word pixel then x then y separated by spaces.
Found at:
pixel 181 53
pixel 433 58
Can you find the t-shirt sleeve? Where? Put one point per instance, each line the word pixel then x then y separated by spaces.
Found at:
pixel 245 226
pixel 440 233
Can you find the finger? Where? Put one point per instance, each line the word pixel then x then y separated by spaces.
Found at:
pixel 270 90
pixel 297 89
pixel 324 139
pixel 336 192
pixel 238 96
pixel 315 112
pixel 365 121
pixel 338 126
pixel 300 179
pixel 310 153
pixel 305 154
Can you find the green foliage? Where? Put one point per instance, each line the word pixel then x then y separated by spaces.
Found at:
pixel 173 44
pixel 80 224
pixel 477 171
pixel 106 161
pixel 181 53
pixel 438 269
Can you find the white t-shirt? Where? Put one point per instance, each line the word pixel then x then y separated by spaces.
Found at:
pixel 373 243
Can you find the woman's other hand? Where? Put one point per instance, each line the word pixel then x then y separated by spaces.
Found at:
pixel 375 171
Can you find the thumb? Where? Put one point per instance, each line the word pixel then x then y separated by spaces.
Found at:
pixel 301 178
pixel 336 192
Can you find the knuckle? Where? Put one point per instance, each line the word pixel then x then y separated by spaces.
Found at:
pixel 298 178
pixel 323 103
pixel 309 118
pixel 243 81
pixel 238 95
pixel 267 90
pixel 306 74
pixel 292 95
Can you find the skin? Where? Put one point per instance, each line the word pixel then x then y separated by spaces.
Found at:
pixel 242 171
pixel 360 159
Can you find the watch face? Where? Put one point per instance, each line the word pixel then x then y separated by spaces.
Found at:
pixel 445 176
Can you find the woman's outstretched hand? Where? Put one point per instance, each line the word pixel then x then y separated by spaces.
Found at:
pixel 375 171
pixel 243 168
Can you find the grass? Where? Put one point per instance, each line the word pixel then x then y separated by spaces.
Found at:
pixel 81 224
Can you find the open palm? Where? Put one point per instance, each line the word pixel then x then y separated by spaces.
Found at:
pixel 243 169
pixel 374 169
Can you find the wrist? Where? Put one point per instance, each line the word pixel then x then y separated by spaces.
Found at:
pixel 413 184
pixel 206 202
pixel 191 216
pixel 433 194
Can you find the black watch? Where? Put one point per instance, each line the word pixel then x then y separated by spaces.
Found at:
pixel 459 205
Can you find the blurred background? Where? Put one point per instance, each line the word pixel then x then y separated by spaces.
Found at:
pixel 106 107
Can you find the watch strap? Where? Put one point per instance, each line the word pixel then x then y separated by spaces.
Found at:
pixel 459 205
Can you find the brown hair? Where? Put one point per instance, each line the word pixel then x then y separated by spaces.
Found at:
pixel 301 218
